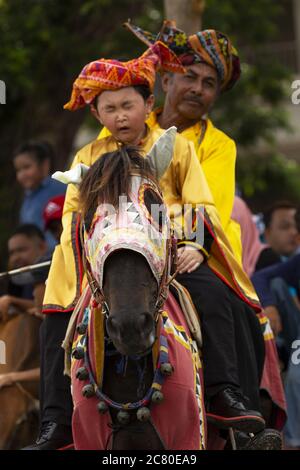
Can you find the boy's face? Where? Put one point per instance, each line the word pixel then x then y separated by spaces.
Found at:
pixel 124 113
pixel 29 172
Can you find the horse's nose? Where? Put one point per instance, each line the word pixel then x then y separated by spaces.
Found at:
pixel 145 323
pixel 141 324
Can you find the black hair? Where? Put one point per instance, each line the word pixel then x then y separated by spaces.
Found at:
pixel 268 214
pixel 143 90
pixel 40 151
pixel 30 231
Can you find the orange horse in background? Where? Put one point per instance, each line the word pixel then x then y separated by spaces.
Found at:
pixel 19 418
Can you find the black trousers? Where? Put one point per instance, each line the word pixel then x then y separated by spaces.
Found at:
pixel 233 344
pixel 55 392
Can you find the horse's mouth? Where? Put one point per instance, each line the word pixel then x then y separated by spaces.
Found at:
pixel 126 350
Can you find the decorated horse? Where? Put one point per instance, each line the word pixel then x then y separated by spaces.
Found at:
pixel 135 365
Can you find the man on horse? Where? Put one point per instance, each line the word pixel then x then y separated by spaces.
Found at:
pixel 213 67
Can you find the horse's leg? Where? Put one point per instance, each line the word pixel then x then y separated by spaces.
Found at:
pixel 139 436
pixel 20 355
pixel 26 429
pixel 14 404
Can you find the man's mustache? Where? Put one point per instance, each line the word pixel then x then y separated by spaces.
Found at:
pixel 195 99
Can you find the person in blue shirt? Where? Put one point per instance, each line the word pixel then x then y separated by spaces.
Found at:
pixel 32 162
pixel 284 312
pixel 289 271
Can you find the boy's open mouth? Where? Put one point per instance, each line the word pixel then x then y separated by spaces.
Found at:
pixel 124 129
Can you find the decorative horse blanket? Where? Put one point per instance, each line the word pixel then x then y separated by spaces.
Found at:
pixel 180 427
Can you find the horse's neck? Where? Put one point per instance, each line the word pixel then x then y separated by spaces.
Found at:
pixel 123 388
pixel 136 435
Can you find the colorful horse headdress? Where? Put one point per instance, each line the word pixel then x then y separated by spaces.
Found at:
pixel 135 225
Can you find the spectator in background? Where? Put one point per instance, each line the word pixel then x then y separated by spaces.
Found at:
pixel 281 234
pixel 297 219
pixel 272 285
pixel 34 282
pixel 32 162
pixel 25 247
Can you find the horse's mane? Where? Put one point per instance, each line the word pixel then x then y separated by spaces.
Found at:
pixel 109 177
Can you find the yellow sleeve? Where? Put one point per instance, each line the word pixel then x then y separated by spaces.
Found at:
pixel 193 183
pixel 217 155
pixel 65 276
pixel 184 184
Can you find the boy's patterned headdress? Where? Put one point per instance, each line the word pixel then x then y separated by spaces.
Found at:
pixel 110 74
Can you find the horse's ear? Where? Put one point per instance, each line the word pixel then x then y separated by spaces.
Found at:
pixel 75 175
pixel 161 153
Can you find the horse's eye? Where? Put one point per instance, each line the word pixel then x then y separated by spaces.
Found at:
pixel 155 207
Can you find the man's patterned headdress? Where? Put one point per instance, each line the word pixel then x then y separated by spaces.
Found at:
pixel 209 46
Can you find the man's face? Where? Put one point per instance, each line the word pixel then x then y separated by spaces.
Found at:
pixel 193 93
pixel 282 235
pixel 124 113
pixel 24 251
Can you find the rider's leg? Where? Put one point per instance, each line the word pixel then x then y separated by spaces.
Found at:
pixel 224 381
pixel 56 405
pixel 56 400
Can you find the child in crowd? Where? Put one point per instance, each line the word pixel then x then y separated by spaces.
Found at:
pixel 32 162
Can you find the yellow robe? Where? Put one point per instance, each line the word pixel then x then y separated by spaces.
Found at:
pixel 217 155
pixel 183 183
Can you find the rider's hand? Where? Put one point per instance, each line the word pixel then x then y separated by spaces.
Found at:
pixel 5 303
pixel 274 317
pixel 189 259
pixel 36 312
pixel 6 380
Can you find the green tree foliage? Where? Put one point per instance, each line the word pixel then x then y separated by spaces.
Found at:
pixel 43 46
pixel 252 112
